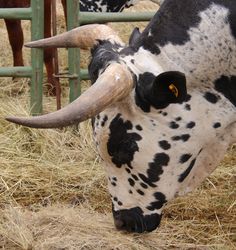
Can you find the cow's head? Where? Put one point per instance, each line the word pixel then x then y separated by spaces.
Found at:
pixel 115 84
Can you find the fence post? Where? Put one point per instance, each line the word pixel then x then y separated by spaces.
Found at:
pixel 73 53
pixel 37 32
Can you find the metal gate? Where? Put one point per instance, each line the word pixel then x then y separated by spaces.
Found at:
pixel 74 18
pixel 36 15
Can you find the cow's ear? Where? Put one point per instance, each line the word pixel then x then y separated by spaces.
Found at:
pixel 134 36
pixel 168 87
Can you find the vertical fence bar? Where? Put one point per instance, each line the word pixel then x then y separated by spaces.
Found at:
pixel 55 53
pixel 37 32
pixel 73 53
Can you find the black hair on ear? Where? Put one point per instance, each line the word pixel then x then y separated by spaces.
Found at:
pixel 134 36
pixel 168 87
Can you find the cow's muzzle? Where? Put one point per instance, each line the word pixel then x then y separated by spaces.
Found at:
pixel 133 220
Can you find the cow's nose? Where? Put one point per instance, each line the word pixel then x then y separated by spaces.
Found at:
pixel 126 224
pixel 119 223
pixel 133 220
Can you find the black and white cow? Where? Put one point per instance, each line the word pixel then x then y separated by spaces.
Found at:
pixel 164 106
pixel 108 5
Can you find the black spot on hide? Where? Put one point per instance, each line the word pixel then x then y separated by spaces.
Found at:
pixel 160 200
pixel 187 107
pixel 146 180
pixel 184 158
pixel 164 145
pixel 187 171
pixel 138 127
pixel 210 97
pixel 140 192
pixel 105 118
pixel 122 145
pixel 191 125
pixel 217 125
pixel 173 125
pixel 227 86
pixel 184 137
pixel 143 185
pixel 178 119
pixel 131 182
pixel 155 169
pixel 135 177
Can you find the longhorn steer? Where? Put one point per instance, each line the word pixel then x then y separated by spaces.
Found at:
pixel 156 140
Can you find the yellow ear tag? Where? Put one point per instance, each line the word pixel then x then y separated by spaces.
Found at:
pixel 174 90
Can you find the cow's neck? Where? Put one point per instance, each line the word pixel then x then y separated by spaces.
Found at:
pixel 203 48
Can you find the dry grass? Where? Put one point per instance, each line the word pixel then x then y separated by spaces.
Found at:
pixel 53 191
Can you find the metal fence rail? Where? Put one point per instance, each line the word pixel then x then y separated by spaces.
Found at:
pixel 94 17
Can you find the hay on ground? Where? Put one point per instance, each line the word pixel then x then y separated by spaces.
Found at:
pixel 53 192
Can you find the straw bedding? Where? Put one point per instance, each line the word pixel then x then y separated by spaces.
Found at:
pixel 53 191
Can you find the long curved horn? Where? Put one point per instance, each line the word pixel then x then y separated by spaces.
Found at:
pixel 83 37
pixel 113 85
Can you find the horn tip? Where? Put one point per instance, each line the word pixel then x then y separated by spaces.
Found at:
pixel 23 121
pixel 29 45
pixel 13 119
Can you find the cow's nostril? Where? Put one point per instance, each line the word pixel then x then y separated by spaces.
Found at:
pixel 119 224
pixel 129 220
pixel 127 224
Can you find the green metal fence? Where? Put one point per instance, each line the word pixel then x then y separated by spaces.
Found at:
pixel 74 18
pixel 36 15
